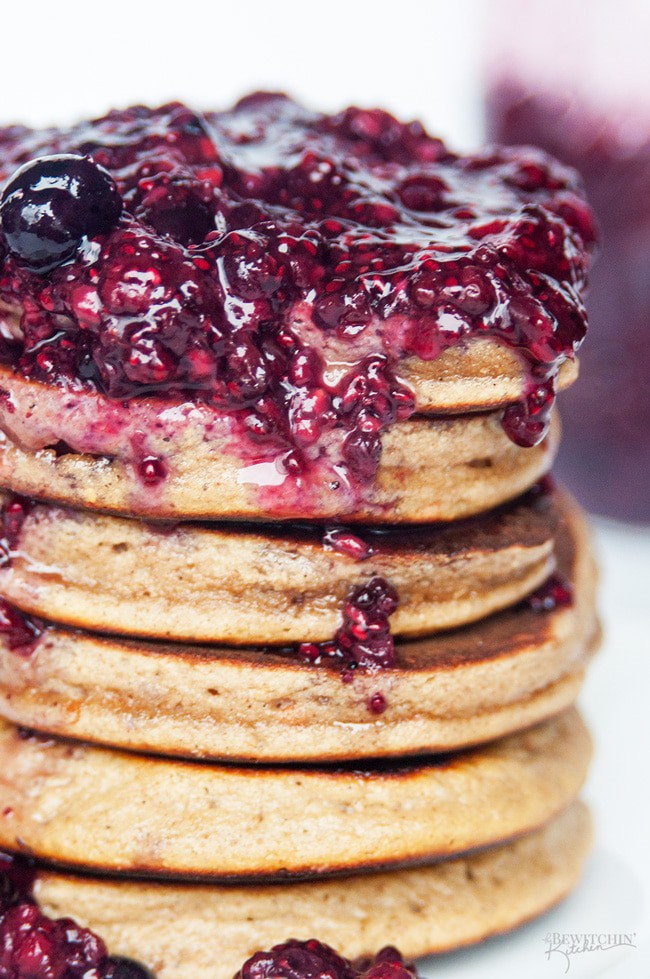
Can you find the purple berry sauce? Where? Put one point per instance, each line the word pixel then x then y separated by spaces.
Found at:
pixel 364 640
pixel 12 518
pixel 229 258
pixel 22 631
pixel 314 960
pixel 343 541
pixel 33 946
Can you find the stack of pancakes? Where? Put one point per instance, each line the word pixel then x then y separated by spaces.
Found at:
pixel 438 794
pixel 191 771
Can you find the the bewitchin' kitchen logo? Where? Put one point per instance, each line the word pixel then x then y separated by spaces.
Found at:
pixel 568 944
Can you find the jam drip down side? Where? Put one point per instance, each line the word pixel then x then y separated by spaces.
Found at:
pixel 22 631
pixel 280 265
pixel 556 592
pixel 364 640
pixel 12 517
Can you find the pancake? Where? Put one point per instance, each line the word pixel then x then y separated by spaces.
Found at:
pixel 103 810
pixel 250 585
pixel 481 375
pixel 184 931
pixel 465 686
pixel 87 451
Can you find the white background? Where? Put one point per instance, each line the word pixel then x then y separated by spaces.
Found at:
pixel 60 60
pixel 423 59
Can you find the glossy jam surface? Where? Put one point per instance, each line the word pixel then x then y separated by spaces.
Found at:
pixel 52 204
pixel 280 264
pixel 22 631
pixel 346 542
pixel 33 946
pixel 605 452
pixel 12 518
pixel 314 960
pixel 364 640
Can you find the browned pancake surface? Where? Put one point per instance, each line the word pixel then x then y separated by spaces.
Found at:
pixel 97 808
pixel 457 688
pixel 185 931
pixel 249 585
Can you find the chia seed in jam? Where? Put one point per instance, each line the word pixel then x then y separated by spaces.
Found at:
pixel 250 249
pixel 364 639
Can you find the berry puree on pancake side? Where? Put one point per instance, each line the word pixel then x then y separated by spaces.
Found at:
pixel 293 615
pixel 281 268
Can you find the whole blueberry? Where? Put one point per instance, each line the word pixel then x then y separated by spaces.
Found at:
pixel 117 967
pixel 50 204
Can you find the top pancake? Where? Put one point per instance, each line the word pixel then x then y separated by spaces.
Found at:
pixel 283 297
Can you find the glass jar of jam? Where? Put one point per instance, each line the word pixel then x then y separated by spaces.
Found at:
pixel 574 79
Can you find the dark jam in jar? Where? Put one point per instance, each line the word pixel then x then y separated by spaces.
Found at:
pixel 605 453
